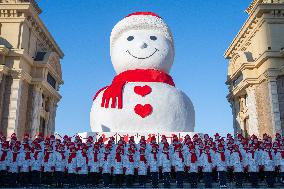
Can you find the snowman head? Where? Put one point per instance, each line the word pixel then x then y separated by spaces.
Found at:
pixel 141 41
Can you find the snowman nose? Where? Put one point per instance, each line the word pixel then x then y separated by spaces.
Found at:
pixel 143 45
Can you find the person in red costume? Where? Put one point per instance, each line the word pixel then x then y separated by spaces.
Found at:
pixel 3 161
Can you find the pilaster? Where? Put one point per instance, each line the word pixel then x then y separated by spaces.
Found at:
pixel 273 97
pixel 36 107
pixel 52 115
pixel 253 127
pixel 235 123
pixel 15 100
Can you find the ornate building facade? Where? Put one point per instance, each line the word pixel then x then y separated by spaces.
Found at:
pixel 30 70
pixel 256 70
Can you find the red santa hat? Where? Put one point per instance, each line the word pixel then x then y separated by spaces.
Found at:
pixel 138 21
pixel 52 137
pixel 26 136
pixel 207 147
pixel 37 146
pixel 217 135
pixel 90 138
pixel 5 144
pixel 108 146
pixel 153 138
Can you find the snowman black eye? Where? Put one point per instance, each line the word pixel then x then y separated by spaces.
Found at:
pixel 130 38
pixel 154 38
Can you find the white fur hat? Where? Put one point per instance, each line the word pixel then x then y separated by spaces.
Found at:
pixel 140 20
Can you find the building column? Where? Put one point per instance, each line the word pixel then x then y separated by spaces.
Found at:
pixel 235 124
pixel 274 105
pixel 52 115
pixel 2 90
pixel 15 100
pixel 36 108
pixel 252 111
pixel 238 124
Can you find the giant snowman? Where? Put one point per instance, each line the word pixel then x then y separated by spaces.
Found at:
pixel 142 96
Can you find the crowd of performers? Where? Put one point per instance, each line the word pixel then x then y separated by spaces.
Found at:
pixel 55 162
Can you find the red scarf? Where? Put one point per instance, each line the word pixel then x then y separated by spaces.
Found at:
pixel 223 158
pixel 28 155
pixel 86 157
pixel 270 154
pixel 252 154
pixel 131 159
pixel 95 156
pixel 142 158
pixel 71 156
pixel 4 155
pixel 114 91
pixel 200 150
pixel 193 158
pixel 209 157
pixel 118 157
pixel 15 155
pixel 155 155
pixel 62 155
pixel 106 155
pixel 282 154
pixel 180 155
pixel 167 154
pixel 46 156
pixel 36 155
pixel 240 155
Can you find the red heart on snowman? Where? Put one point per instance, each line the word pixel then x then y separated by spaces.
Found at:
pixel 142 90
pixel 143 110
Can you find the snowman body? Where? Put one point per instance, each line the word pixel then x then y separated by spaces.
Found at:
pixel 147 107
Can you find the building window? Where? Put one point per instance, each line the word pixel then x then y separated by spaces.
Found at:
pixel 238 80
pixel 51 80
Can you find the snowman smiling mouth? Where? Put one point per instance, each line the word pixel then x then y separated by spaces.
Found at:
pixel 143 57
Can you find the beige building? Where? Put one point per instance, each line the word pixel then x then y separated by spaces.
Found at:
pixel 256 70
pixel 30 70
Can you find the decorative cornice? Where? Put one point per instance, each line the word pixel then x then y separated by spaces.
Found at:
pixel 255 3
pixel 20 74
pixel 33 3
pixel 28 9
pixel 249 27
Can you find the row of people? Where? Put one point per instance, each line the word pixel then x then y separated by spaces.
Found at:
pixel 52 158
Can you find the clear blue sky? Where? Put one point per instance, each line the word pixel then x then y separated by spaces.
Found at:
pixel 202 31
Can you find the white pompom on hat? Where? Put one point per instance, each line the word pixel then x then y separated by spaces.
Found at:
pixel 138 21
